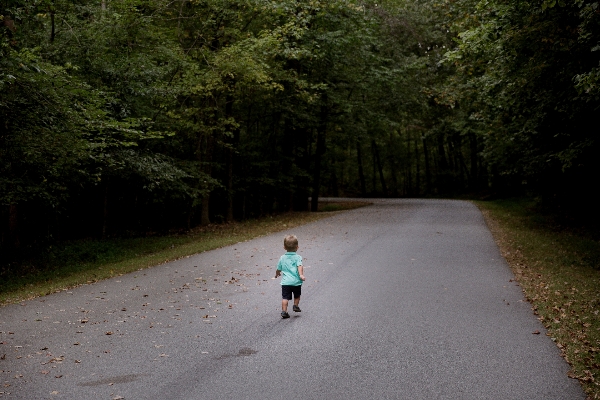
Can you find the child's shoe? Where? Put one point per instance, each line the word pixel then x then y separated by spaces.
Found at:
pixel 284 314
pixel 297 309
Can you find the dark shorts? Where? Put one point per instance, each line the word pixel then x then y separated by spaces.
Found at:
pixel 286 292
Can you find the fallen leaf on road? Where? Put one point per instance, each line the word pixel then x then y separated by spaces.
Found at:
pixel 535 332
pixel 55 359
pixel 109 333
pixel 54 392
pixel 45 372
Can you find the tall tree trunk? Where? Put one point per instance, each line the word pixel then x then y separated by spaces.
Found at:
pixel 393 165
pixel 287 193
pixel 105 211
pixel 230 159
pixel 314 205
pixel 193 200
pixel 443 162
pixel 52 28
pixel 418 165
pixel 13 226
pixel 361 173
pixel 321 131
pixel 379 168
pixel 334 181
pixel 474 183
pixel 205 206
pixel 229 212
pixel 205 210
pixel 373 173
pixel 442 175
pixel 427 166
pixel 408 185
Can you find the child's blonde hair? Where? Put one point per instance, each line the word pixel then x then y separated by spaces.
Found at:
pixel 290 242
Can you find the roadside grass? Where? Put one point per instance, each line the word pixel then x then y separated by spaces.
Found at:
pixel 558 268
pixel 87 261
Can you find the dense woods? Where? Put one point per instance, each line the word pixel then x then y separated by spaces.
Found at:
pixel 137 116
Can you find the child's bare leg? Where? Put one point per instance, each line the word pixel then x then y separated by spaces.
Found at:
pixel 297 300
pixel 284 304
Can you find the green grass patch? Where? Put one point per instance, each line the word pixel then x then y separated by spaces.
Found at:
pixel 558 268
pixel 87 261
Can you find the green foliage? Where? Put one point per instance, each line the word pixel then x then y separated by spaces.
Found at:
pixel 527 73
pixel 121 117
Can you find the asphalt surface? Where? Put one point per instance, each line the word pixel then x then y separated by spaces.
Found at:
pixel 404 299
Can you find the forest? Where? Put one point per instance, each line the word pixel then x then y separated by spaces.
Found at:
pixel 132 117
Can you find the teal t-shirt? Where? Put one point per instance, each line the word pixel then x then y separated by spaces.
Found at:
pixel 288 265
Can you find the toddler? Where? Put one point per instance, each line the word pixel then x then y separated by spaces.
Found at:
pixel 292 275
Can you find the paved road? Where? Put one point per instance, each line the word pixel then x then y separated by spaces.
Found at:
pixel 405 299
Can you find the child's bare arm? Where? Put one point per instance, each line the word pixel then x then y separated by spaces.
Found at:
pixel 277 273
pixel 301 272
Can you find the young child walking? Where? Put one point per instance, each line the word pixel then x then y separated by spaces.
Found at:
pixel 292 275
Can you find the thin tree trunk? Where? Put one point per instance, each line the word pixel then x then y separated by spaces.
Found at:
pixel 379 168
pixel 205 210
pixel 314 205
pixel 244 207
pixel 443 162
pixel 443 167
pixel 427 166
pixel 461 165
pixel 287 195
pixel 230 155
pixel 105 211
pixel 361 174
pixel 193 204
pixel 393 166
pixel 205 207
pixel 408 185
pixel 418 165
pixel 473 156
pixel 302 158
pixel 321 131
pixel 334 181
pixel 13 226
pixel 374 172
pixel 52 29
